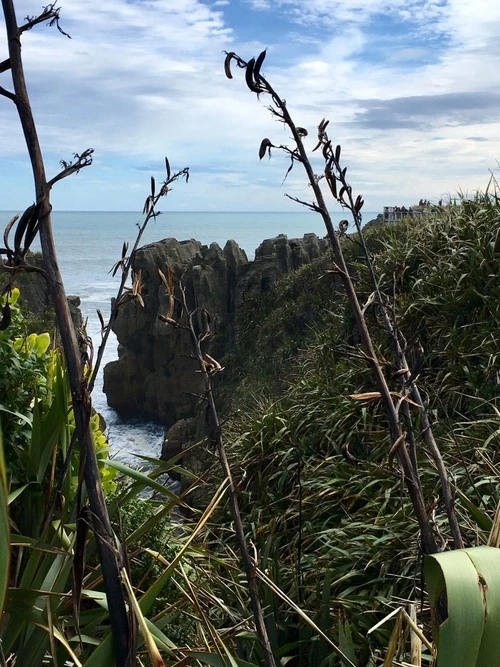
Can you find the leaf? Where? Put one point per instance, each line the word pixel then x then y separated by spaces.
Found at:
pixel 464 594
pixel 258 64
pixel 370 395
pixel 249 78
pixel 41 344
pixel 142 479
pixel 227 64
pixel 480 517
pixel 4 530
pixel 154 653
pixel 265 145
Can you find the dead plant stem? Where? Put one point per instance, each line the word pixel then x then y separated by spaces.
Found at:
pixel 249 565
pixel 124 656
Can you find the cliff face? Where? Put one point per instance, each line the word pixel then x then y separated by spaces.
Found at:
pixel 155 377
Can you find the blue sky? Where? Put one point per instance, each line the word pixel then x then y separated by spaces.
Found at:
pixel 410 88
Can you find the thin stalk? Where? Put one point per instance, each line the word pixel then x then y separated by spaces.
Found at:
pixel 249 564
pixel 409 383
pixel 258 84
pixel 369 349
pixel 124 653
pixel 126 263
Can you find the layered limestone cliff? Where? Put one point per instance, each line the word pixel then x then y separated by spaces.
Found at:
pixel 155 375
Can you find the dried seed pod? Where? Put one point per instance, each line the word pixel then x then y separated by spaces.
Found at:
pixel 323 125
pixel 302 132
pixel 332 182
pixel 27 219
pixel 6 233
pixel 249 77
pixel 101 318
pixel 167 167
pixel 337 153
pixel 227 64
pixel 265 145
pixel 153 186
pixel 258 65
pixel 326 150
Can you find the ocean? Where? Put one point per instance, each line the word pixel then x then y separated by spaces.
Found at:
pixel 90 242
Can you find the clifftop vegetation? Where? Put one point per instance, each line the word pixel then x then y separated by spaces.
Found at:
pixel 364 451
pixel 321 490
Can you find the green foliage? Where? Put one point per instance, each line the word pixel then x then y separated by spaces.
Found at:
pixel 23 361
pixel 323 501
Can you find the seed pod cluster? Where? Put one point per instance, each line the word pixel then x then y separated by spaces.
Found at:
pixel 321 133
pixel 26 231
pixel 253 78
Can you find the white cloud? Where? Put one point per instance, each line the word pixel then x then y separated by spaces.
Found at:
pixel 142 79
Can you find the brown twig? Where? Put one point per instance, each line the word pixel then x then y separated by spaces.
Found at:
pixel 209 367
pixel 125 263
pixel 124 652
pixel 258 84
pixel 346 199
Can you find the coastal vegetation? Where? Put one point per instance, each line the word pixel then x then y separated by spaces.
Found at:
pixel 358 435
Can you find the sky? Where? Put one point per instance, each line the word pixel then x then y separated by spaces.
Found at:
pixel 411 89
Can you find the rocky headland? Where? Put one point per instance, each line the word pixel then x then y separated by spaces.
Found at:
pixel 154 377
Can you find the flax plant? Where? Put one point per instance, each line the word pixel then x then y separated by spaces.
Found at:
pixel 335 178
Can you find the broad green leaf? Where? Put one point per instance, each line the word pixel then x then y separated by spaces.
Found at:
pixel 12 496
pixel 142 479
pixel 464 593
pixel 41 343
pixel 480 517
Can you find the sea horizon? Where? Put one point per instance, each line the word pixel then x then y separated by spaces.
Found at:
pixel 89 243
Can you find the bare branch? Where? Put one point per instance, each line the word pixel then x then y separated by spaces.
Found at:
pixel 311 205
pixel 123 637
pixel 8 94
pixel 50 13
pixel 80 161
pixel 208 367
pixel 126 262
pixel 333 172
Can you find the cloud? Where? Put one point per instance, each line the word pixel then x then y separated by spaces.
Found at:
pixel 419 111
pixel 400 81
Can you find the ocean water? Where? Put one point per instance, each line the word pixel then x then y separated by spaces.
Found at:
pixel 88 245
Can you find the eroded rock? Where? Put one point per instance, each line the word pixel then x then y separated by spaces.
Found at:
pixel 155 377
